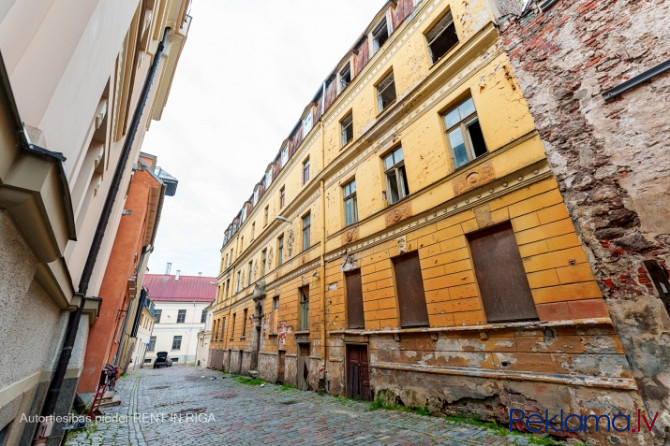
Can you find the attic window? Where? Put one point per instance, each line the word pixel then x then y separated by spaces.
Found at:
pixel 345 77
pixel 442 37
pixel 284 155
pixel 379 35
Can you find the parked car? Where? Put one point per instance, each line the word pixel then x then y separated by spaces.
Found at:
pixel 162 360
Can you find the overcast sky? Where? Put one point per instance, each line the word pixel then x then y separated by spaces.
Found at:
pixel 248 70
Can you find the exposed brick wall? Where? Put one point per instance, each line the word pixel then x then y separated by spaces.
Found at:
pixel 611 158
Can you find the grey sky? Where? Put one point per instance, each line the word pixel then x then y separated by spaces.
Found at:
pixel 248 70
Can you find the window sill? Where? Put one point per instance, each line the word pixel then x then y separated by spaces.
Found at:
pixel 242 338
pixel 272 334
pixel 302 331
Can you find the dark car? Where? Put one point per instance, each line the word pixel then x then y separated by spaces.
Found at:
pixel 162 360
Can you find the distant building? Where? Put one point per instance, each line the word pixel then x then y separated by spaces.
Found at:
pixel 181 313
pixel 114 333
pixel 202 353
pixel 145 328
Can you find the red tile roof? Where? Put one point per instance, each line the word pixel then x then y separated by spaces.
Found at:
pixel 165 288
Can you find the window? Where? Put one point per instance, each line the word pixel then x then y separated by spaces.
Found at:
pixel 304 307
pixel 157 315
pixel 347 129
pixel 181 316
pixel 305 171
pixel 505 291
pixel 441 37
pixel 253 230
pixel 282 197
pixel 232 329
pixel 345 77
pixel 268 178
pixel 152 344
pixel 350 204
pixel 284 155
pixel 411 298
pixel 255 197
pixel 222 330
pixel 264 260
pixel 266 215
pixel 280 250
pixel 203 317
pixel 307 124
pixel 396 178
pixel 355 317
pixel 251 267
pixel 237 282
pixel 306 223
pixel 227 287
pixel 379 35
pixel 241 243
pixel 385 92
pixel 464 133
pixel 275 303
pixel 176 343
pixel 244 323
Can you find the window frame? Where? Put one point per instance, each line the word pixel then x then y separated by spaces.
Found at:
pixel 386 82
pixel 266 215
pixel 283 155
pixel 463 126
pixel 244 323
pixel 305 171
pixel 345 70
pixel 282 197
pixel 251 268
pixel 303 303
pixel 152 344
pixel 306 231
pixel 381 26
pixel 157 315
pixel 280 250
pixel 203 316
pixel 347 129
pixel 174 340
pixel 181 313
pixel 349 194
pixel 429 42
pixel 399 171
pixel 264 259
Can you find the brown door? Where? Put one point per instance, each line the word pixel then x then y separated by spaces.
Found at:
pixel 281 367
pixel 358 373
pixel 500 275
pixel 303 367
pixel 355 317
pixel 411 298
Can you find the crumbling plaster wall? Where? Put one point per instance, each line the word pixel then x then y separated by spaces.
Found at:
pixel 611 158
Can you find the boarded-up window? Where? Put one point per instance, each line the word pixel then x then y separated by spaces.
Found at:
pixel 500 275
pixel 355 317
pixel 411 298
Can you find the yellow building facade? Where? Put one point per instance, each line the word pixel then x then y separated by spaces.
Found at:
pixel 409 241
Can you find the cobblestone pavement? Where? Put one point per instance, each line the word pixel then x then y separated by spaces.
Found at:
pixel 188 406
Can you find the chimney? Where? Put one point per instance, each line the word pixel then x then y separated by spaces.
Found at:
pixel 168 268
pixel 176 277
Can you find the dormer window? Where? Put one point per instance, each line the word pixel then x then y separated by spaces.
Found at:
pixel 284 155
pixel 307 123
pixel 345 77
pixel 379 35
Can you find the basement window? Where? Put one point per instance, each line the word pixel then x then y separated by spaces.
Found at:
pixel 442 37
pixel 379 35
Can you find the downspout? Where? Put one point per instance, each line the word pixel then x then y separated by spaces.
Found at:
pixel 73 324
pixel 324 309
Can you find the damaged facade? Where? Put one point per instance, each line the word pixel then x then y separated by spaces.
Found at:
pixel 595 75
pixel 367 261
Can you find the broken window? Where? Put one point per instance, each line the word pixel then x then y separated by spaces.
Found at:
pixel 350 203
pixel 280 250
pixel 379 35
pixel 176 342
pixel 345 77
pixel 355 317
pixel 385 92
pixel 305 171
pixel 244 324
pixel 306 225
pixel 505 291
pixel 464 133
pixel 181 316
pixel 275 303
pixel 411 297
pixel 396 177
pixel 347 129
pixel 441 37
pixel 304 307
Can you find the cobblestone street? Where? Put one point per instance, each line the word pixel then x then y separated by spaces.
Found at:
pixel 223 411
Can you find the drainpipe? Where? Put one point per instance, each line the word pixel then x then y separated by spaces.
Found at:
pixel 324 309
pixel 73 324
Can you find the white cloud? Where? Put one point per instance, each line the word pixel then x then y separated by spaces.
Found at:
pixel 247 71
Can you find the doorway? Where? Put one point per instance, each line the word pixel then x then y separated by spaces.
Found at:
pixel 281 367
pixel 303 367
pixel 358 374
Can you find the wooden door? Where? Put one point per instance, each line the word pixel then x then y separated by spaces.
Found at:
pixel 303 367
pixel 500 275
pixel 358 372
pixel 355 318
pixel 281 367
pixel 411 297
